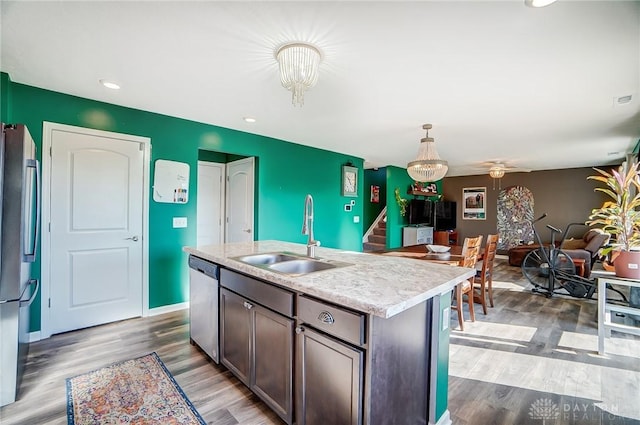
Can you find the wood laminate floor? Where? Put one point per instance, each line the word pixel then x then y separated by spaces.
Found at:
pixel 530 358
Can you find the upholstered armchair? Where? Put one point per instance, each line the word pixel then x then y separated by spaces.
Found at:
pixel 586 248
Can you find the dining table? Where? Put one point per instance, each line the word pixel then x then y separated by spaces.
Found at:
pixel 421 252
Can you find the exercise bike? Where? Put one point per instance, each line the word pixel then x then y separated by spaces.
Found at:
pixel 552 271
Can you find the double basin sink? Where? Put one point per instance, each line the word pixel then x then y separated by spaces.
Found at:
pixel 289 263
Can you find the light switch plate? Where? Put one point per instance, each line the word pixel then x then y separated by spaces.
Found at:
pixel 356 219
pixel 179 222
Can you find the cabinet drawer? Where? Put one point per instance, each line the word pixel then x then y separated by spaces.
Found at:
pixel 344 324
pixel 268 295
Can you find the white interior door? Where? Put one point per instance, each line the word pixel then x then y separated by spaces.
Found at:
pixel 239 205
pixel 96 229
pixel 210 203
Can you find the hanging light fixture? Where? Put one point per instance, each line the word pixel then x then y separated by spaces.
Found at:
pixel 497 172
pixel 299 64
pixel 428 167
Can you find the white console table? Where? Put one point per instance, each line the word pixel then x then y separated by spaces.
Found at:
pixel 417 235
pixel 605 309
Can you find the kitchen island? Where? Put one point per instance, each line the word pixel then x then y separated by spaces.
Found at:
pixel 366 342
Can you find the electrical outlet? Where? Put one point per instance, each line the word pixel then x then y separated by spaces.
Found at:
pixel 179 222
pixel 446 317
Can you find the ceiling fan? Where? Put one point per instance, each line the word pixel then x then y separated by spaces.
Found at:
pixel 497 169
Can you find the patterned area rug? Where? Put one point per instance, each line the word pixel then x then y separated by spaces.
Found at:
pixel 138 392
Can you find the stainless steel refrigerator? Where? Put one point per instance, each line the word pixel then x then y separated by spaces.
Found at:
pixel 19 224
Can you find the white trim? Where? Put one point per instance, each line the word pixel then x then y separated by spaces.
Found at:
pixel 34 336
pixel 365 238
pixel 167 309
pixel 45 261
pixel 445 419
pixel 502 257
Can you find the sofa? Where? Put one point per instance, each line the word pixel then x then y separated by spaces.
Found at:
pixel 585 248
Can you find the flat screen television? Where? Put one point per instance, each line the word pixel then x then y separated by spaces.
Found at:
pixel 420 212
pixel 445 215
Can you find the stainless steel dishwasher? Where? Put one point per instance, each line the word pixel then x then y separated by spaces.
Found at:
pixel 203 305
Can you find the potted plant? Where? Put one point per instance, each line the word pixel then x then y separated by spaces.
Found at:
pixel 620 216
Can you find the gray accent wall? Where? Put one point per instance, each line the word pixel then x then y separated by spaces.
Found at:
pixel 565 195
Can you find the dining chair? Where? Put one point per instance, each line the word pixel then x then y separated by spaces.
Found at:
pixel 469 257
pixel 483 281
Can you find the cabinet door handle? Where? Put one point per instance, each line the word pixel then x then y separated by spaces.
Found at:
pixel 326 318
pixel 299 329
pixel 248 305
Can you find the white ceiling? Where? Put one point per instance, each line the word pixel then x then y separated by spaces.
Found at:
pixel 534 88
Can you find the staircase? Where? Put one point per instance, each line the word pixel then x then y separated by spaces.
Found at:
pixel 377 240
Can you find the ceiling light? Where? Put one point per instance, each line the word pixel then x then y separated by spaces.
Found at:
pixel 428 167
pixel 538 3
pixel 299 64
pixel 496 172
pixel 110 84
pixel 249 119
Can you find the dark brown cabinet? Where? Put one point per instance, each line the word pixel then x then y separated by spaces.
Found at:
pixel 235 335
pixel 329 380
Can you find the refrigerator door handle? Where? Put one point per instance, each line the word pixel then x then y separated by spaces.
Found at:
pixel 27 303
pixel 30 256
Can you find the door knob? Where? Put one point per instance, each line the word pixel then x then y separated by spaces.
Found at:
pixel 247 230
pixel 132 238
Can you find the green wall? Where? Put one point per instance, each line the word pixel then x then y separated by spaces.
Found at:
pixel 371 210
pixel 285 173
pixel 5 97
pixel 396 178
pixel 442 371
pixel 219 157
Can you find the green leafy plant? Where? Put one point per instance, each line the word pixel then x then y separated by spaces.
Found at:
pixel 619 217
pixel 402 203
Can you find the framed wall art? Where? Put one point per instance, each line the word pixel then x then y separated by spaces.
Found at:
pixel 474 203
pixel 349 181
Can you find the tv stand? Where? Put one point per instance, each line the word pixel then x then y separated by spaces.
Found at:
pixel 417 235
pixel 445 237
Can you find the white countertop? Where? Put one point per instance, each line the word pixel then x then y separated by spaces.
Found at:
pixel 380 285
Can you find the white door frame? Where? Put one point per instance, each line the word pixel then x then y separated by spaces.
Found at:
pixel 45 254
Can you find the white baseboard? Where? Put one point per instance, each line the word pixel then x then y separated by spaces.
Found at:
pixel 34 336
pixel 168 308
pixel 502 257
pixel 445 419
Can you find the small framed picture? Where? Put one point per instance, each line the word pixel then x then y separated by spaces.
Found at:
pixel 474 203
pixel 375 194
pixel 349 181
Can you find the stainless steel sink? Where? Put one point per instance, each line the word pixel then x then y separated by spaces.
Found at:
pixel 302 266
pixel 289 263
pixel 266 259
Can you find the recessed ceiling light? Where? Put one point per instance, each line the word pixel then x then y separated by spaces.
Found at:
pixel 538 3
pixel 110 84
pixel 249 119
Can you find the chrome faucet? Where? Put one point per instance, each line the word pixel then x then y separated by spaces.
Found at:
pixel 307 226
